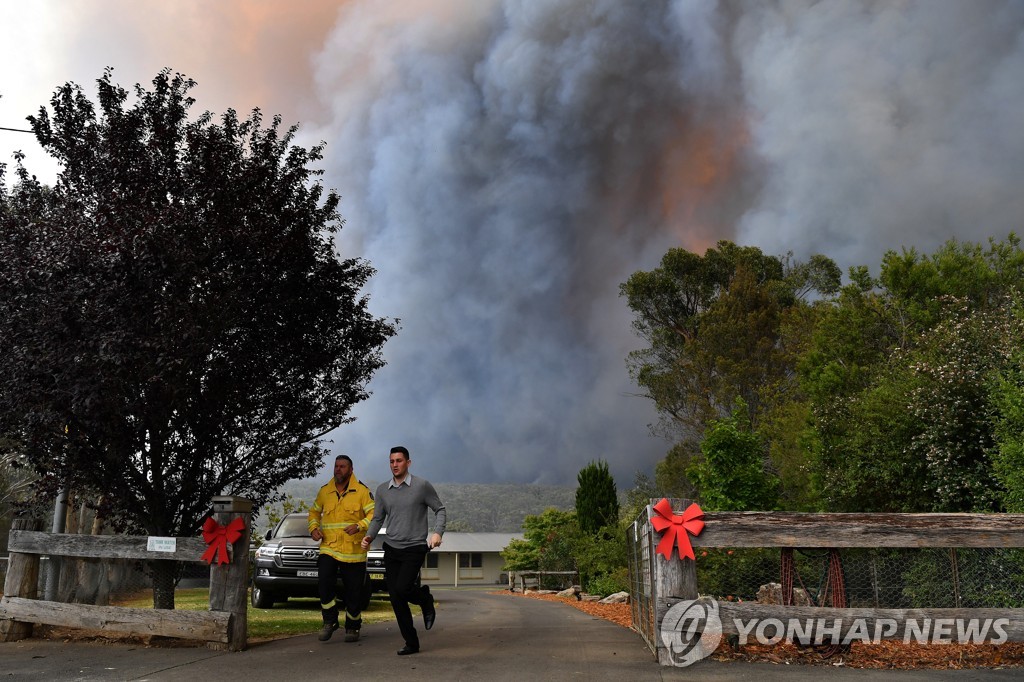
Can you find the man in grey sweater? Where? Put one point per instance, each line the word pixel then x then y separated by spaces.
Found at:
pixel 401 507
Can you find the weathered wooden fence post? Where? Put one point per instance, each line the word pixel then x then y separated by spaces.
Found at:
pixel 674 580
pixel 229 582
pixel 22 581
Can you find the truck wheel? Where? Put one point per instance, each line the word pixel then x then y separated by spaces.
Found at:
pixel 261 599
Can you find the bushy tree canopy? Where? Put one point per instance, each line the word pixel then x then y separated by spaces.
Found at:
pixel 176 323
pixel 895 393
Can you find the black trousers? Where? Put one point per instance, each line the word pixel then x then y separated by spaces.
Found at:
pixel 400 569
pixel 353 575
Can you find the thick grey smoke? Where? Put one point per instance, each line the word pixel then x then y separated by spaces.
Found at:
pixel 506 164
pixel 884 124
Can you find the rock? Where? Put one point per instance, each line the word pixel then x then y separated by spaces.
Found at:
pixel 573 591
pixel 591 597
pixel 617 598
pixel 771 593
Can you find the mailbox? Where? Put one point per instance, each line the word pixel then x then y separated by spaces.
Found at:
pixel 231 503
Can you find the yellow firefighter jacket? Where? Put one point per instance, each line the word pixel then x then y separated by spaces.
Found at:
pixel 332 513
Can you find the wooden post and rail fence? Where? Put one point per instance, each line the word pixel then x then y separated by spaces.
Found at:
pixel 675 580
pixel 223 626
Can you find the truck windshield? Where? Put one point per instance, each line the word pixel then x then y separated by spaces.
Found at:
pixel 293 527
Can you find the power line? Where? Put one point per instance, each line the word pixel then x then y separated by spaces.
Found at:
pixel 15 130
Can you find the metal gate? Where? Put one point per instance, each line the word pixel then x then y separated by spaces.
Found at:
pixel 641 579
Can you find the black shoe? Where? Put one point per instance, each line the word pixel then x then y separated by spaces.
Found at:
pixel 406 650
pixel 351 635
pixel 326 631
pixel 428 616
pixel 429 611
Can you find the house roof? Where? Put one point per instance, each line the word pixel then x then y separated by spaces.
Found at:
pixel 476 542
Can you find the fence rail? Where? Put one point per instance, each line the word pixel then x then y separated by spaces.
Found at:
pixel 787 529
pixel 224 623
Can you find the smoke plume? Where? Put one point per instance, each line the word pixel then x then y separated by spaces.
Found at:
pixel 506 164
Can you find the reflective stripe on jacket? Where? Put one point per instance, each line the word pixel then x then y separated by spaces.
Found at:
pixel 332 513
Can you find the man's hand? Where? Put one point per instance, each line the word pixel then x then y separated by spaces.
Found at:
pixel 434 541
pixel 353 529
pixel 317 535
pixel 364 543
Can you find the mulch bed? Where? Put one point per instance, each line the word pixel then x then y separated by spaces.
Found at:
pixel 888 655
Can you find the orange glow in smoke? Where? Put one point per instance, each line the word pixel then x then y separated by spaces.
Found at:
pixel 696 167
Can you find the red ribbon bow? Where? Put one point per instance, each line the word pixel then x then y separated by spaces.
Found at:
pixel 675 528
pixel 218 537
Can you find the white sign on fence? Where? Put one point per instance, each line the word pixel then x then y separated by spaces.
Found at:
pixel 161 544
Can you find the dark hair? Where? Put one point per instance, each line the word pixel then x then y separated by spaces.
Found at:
pixel 344 457
pixel 400 448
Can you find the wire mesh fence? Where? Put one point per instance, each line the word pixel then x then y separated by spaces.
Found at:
pixel 879 578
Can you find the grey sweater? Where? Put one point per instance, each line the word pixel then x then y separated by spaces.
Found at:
pixel 403 512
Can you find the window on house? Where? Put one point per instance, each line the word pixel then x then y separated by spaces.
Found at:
pixel 471 560
pixel 431 560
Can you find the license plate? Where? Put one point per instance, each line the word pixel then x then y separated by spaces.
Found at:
pixel 376 576
pixel 306 574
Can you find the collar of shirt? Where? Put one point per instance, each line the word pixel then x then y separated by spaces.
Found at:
pixel 352 481
pixel 406 482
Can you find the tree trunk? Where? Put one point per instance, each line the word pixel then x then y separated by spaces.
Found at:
pixel 165 576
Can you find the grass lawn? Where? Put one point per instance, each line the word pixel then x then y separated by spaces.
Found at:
pixel 296 617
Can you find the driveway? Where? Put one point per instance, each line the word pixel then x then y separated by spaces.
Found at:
pixel 477 636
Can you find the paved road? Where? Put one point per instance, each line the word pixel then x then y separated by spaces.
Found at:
pixel 477 636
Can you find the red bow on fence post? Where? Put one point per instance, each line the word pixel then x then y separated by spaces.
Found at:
pixel 674 528
pixel 218 537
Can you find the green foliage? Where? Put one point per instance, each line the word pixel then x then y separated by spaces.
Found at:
pixel 608 583
pixel 548 544
pixel 1008 458
pixel 714 325
pixel 670 475
pixel 900 381
pixel 601 554
pixel 553 541
pixel 895 393
pixel 731 475
pixel 521 555
pixel 597 502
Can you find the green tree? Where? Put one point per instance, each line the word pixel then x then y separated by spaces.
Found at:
pixel 727 329
pixel 177 323
pixel 713 324
pixel 1008 464
pixel 597 501
pixel 731 476
pixel 898 377
pixel 548 543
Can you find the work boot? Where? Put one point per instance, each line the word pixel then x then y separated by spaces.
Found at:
pixel 351 635
pixel 326 631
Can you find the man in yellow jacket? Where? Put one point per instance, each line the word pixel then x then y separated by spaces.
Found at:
pixel 338 520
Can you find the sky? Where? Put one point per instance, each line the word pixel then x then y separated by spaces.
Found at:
pixel 506 164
